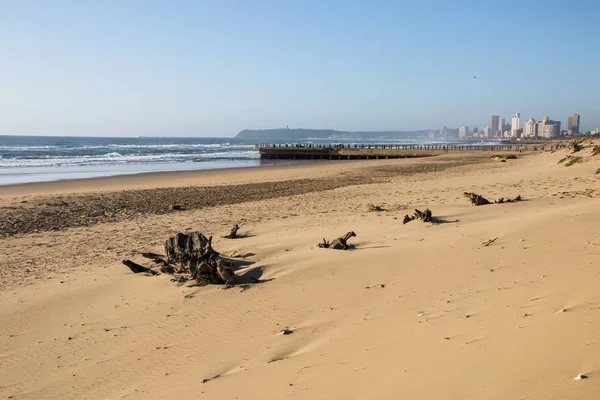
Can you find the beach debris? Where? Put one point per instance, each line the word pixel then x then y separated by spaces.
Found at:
pixel 596 150
pixel 233 233
pixel 580 377
pixel 375 208
pixel 576 145
pixel 478 200
pixel 490 241
pixel 379 286
pixel 210 379
pixel 340 243
pixel 509 200
pixel 424 216
pixel 286 331
pixel 189 256
pixel 503 157
pixel 176 207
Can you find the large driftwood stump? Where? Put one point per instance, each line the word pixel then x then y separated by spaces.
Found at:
pixel 424 216
pixel 340 243
pixel 190 257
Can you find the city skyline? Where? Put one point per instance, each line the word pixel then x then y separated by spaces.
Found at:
pixel 530 128
pixel 139 68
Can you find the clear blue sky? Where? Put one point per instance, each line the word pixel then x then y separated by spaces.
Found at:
pixel 212 68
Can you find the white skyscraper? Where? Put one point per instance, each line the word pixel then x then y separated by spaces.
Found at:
pixel 516 123
pixel 530 128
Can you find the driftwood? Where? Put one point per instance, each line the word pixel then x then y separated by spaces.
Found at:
pixel 424 216
pixel 375 207
pixel 478 200
pixel 509 200
pixel 190 257
pixel 504 157
pixel 340 243
pixel 490 241
pixel 233 233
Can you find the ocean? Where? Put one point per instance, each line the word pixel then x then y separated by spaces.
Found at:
pixel 25 159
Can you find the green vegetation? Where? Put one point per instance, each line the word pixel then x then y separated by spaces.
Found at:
pixel 574 160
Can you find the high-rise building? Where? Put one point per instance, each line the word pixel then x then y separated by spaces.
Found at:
pixel 540 126
pixel 475 130
pixel 494 126
pixel 486 132
pixel 573 126
pixel 516 123
pixel 549 128
pixel 463 132
pixel 530 128
pixel 501 126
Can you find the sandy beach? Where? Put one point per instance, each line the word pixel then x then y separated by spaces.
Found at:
pixel 416 311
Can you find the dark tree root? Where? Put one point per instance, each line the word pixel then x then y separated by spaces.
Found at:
pixel 339 243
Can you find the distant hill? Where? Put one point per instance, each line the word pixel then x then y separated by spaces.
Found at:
pixel 304 134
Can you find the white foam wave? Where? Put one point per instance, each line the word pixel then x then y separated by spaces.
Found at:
pixel 128 146
pixel 120 159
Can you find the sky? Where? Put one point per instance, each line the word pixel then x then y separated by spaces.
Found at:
pixel 213 68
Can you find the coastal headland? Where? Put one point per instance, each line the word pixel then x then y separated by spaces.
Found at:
pixel 496 301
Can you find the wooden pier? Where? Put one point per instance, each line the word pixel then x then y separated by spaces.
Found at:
pixel 381 151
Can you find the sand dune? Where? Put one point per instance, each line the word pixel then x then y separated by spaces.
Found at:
pixel 417 311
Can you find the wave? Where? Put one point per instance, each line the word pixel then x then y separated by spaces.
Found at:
pixel 123 159
pixel 125 146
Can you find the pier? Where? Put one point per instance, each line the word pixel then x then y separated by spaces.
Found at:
pixel 381 151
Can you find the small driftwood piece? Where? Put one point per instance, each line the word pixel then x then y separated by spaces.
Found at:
pixel 340 243
pixel 137 268
pixel 476 200
pixel 424 216
pixel 509 200
pixel 490 241
pixel 233 233
pixel 190 257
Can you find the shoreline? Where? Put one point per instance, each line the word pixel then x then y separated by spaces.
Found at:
pixel 158 179
pixel 43 207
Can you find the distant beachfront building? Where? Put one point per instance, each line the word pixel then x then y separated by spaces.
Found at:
pixel 530 128
pixel 549 129
pixel 573 126
pixel 501 126
pixel 494 126
pixel 486 132
pixel 540 126
pixel 463 132
pixel 516 123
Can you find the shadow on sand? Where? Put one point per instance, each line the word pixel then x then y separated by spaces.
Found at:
pixel 443 220
pixel 239 236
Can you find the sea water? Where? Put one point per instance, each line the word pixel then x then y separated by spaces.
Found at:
pixel 26 159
